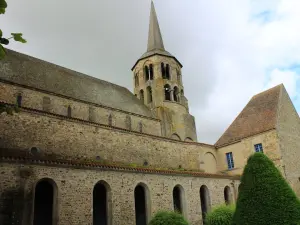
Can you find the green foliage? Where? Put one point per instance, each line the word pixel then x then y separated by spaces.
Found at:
pixel 265 197
pixel 5 41
pixel 168 218
pixel 220 215
pixel 9 109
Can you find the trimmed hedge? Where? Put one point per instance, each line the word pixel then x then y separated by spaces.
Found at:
pixel 220 215
pixel 265 197
pixel 168 218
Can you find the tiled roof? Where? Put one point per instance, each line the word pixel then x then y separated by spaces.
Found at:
pixel 259 115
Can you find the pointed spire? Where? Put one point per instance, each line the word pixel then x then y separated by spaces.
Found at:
pixel 154 37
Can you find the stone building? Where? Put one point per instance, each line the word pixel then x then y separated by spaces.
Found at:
pixel 78 150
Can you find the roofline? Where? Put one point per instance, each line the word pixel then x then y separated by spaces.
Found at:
pixel 44 161
pixel 154 55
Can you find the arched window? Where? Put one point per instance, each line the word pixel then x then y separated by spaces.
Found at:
pixel 176 94
pixel 141 126
pixel 227 195
pixel 149 94
pixel 167 90
pixel 69 111
pixel 136 80
pixel 142 204
pixel 168 72
pixel 182 94
pixel 205 201
pixel 151 72
pixel 178 198
pixel 142 95
pixel 128 122
pixel 188 139
pixel 45 200
pixel 101 204
pixel 19 100
pixel 175 137
pixel 163 71
pixel 147 73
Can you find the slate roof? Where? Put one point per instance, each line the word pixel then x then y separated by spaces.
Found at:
pixel 259 115
pixel 26 70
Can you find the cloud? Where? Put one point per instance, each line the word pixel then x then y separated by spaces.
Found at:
pixel 230 50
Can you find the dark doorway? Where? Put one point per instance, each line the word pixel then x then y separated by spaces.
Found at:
pixel 43 203
pixel 205 201
pixel 19 100
pixel 140 205
pixel 227 195
pixel 100 204
pixel 177 199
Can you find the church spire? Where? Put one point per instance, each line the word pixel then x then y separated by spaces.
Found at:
pixel 154 37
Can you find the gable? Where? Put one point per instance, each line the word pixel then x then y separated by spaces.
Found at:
pixel 259 115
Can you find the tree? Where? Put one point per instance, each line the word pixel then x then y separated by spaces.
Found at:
pixel 5 41
pixel 168 218
pixel 265 197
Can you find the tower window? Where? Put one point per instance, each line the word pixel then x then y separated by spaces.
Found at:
pixel 19 100
pixel 147 73
pixel 136 80
pixel 230 161
pixel 258 148
pixel 168 72
pixel 167 90
pixel 176 93
pixel 163 71
pixel 151 72
pixel 149 94
pixel 142 95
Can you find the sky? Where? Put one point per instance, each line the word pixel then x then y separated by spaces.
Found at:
pixel 230 50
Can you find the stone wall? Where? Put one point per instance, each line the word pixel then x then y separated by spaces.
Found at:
pixel 75 193
pixel 243 149
pixel 73 139
pixel 90 112
pixel 289 139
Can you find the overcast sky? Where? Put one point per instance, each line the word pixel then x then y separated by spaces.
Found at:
pixel 230 49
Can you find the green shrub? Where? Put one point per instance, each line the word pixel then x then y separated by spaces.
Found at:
pixel 265 197
pixel 220 215
pixel 168 218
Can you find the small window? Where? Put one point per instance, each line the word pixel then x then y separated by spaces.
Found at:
pixel 141 127
pixel 69 111
pixel 151 72
pixel 230 162
pixel 110 120
pixel 258 148
pixel 19 100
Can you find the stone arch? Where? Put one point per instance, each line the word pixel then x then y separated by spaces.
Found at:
pixel 176 94
pixel 128 122
pixel 142 95
pixel 102 203
pixel 175 137
pixel 205 201
pixel 19 100
pixel 45 210
pixel 227 195
pixel 142 204
pixel 188 139
pixel 149 94
pixel 179 199
pixel 167 90
pixel 210 163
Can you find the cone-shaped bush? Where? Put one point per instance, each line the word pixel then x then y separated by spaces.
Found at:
pixel 168 218
pixel 220 215
pixel 265 197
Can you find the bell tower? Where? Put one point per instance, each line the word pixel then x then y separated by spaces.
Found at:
pixel 158 84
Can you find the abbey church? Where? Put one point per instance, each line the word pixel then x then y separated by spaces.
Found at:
pixel 76 150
